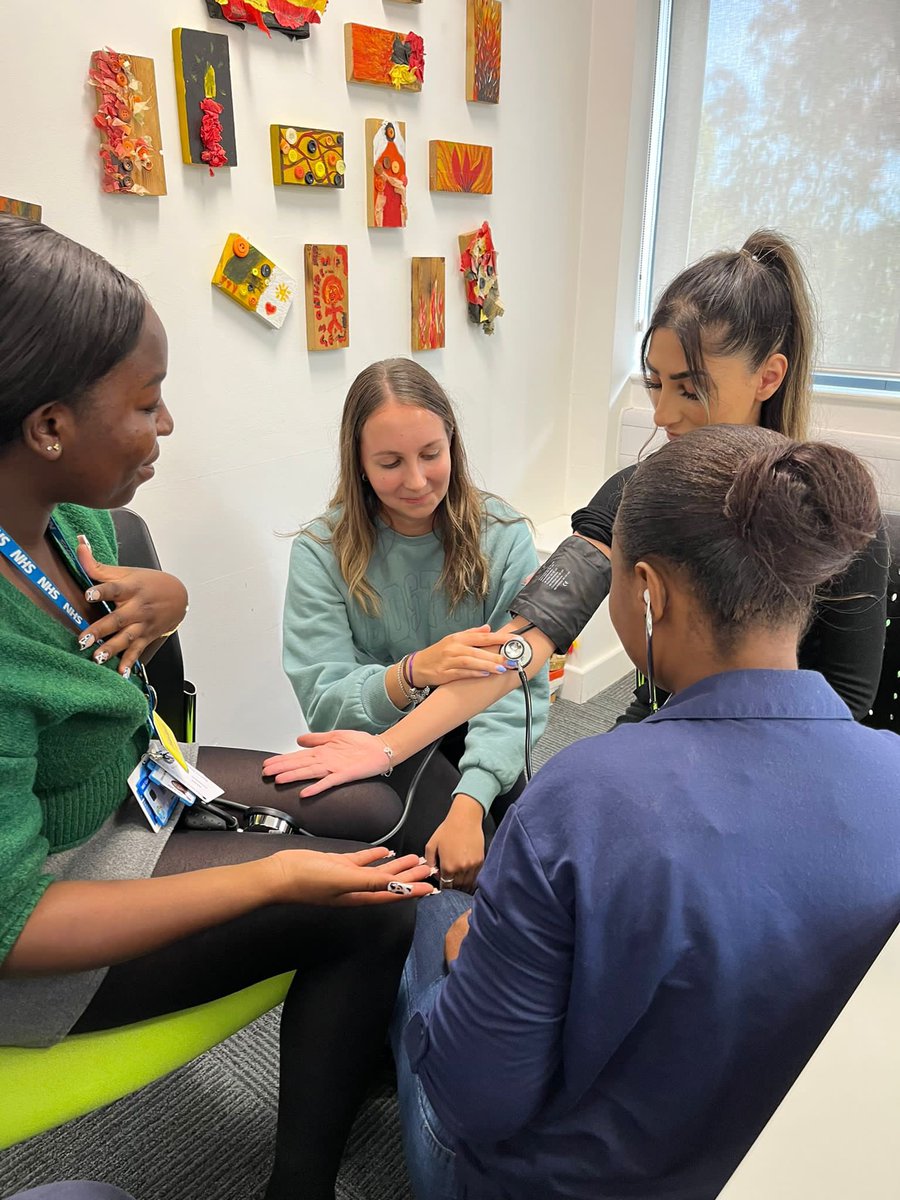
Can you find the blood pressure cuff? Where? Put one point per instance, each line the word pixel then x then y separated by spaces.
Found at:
pixel 565 592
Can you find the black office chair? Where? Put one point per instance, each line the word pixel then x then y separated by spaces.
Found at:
pixel 176 697
pixel 885 711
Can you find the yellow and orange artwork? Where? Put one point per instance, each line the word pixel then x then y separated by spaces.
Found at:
pixel 428 303
pixel 383 57
pixel 254 281
pixel 308 157
pixel 483 26
pixel 460 167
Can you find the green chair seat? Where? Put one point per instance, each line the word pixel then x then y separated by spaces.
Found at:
pixel 40 1089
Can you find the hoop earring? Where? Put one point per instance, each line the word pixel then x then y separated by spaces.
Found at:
pixel 648 622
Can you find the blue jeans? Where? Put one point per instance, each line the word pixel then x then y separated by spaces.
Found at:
pixel 430 1158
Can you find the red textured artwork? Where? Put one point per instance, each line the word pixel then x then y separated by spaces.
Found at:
pixel 327 297
pixel 281 15
pixel 127 117
pixel 383 57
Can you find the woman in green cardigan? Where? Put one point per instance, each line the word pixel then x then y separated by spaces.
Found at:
pixel 104 922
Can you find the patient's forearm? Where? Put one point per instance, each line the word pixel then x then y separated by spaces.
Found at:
pixel 454 703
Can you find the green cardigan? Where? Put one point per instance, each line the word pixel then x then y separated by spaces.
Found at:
pixel 70 734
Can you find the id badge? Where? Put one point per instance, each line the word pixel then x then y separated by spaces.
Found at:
pixel 184 773
pixel 157 802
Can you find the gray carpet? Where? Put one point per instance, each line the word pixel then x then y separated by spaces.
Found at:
pixel 205 1132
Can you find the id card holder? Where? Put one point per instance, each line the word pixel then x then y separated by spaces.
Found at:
pixel 157 803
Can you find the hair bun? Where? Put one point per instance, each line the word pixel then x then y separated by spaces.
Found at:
pixel 821 493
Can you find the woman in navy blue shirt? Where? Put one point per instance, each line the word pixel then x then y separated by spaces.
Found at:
pixel 673 915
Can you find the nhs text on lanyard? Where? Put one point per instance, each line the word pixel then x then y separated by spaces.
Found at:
pixel 14 553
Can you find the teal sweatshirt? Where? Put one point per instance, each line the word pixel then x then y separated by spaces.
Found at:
pixel 70 733
pixel 335 654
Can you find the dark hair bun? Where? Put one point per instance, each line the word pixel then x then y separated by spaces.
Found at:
pixel 758 522
pixel 803 509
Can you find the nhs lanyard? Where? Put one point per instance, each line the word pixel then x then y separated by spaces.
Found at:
pixel 13 552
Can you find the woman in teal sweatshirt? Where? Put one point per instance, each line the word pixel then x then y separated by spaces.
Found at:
pixel 104 921
pixel 394 591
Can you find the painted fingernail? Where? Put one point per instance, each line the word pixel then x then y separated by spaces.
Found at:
pixel 92 595
pixel 422 861
pixel 500 670
pixel 400 889
pixel 84 541
pixel 101 657
pixel 511 663
pixel 486 674
pixel 126 674
pixel 86 639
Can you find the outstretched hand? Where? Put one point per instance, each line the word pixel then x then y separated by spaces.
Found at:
pixel 341 756
pixel 148 605
pixel 370 876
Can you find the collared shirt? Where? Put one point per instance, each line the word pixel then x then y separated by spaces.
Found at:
pixel 666 926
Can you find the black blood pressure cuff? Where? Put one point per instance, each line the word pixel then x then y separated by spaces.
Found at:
pixel 565 592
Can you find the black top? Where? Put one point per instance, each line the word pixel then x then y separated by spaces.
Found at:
pixel 845 638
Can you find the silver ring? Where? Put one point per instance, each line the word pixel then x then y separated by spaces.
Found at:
pixel 447 883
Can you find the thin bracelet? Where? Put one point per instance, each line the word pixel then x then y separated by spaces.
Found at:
pixel 390 757
pixel 401 680
pixel 409 669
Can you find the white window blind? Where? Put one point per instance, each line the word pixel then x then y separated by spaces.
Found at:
pixel 786 113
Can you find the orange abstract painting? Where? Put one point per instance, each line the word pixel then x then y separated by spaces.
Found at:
pixel 483 25
pixel 460 167
pixel 383 57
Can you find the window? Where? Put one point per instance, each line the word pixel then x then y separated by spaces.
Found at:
pixel 786 113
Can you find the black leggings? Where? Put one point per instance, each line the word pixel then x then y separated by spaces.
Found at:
pixel 369 809
pixel 335 1017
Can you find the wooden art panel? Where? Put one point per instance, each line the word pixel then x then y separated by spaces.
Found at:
pixel 386 177
pixel 483 28
pixel 254 281
pixel 460 167
pixel 327 297
pixel 308 157
pixel 383 57
pixel 20 208
pixel 478 264
pixel 428 303
pixel 205 102
pixel 128 119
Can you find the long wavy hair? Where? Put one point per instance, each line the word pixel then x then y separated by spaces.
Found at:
pixel 459 518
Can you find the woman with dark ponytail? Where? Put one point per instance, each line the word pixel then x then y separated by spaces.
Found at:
pixel 731 342
pixel 674 913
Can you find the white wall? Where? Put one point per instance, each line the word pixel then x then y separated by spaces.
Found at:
pixel 256 415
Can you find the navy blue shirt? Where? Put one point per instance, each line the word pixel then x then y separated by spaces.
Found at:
pixel 666 926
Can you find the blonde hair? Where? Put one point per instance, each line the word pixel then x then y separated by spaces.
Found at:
pixel 460 516
pixel 755 302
